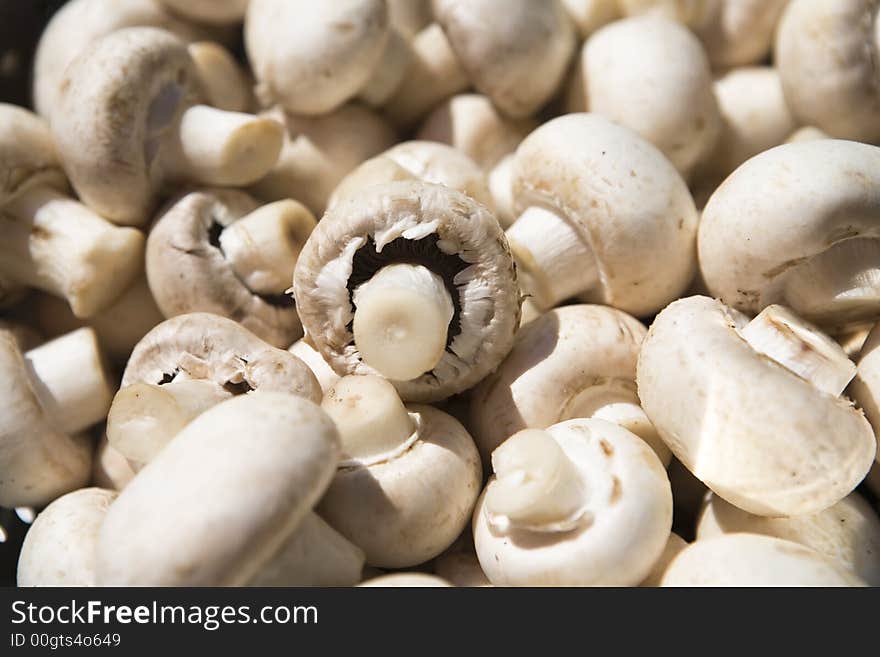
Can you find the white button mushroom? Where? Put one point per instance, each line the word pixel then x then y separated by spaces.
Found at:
pixel 459 564
pixel 409 16
pixel 753 409
pixel 304 349
pixel 388 264
pixel 573 362
pixel 219 12
pixel 753 560
pixel 408 478
pixel 865 387
pixel 589 15
pixel 110 470
pixel 674 545
pixel 60 547
pixel 225 84
pixel 410 580
pixel 582 503
pixel 127 122
pixel 603 216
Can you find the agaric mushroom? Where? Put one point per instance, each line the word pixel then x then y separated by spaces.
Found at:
pixel 573 362
pixel 218 251
pixel 826 53
pixel 519 61
pixel 51 241
pixel 408 478
pixel 110 469
pixel 753 560
pixel 589 15
pixel 753 409
pixel 865 387
pixel 674 546
pixel 225 84
pixel 53 393
pixel 798 225
pixel 846 533
pixel 581 503
pixel 651 75
pixel 807 133
pixel 319 151
pixel 459 564
pixel 409 16
pixel 219 12
pixel 411 280
pixel 237 481
pixel 410 580
pixel 127 122
pixel 60 547
pixel 418 160
pixel 603 216
pixel 304 349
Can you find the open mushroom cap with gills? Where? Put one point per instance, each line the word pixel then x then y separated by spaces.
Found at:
pixel 408 477
pixel 573 362
pixel 128 122
pixel 426 161
pixel 603 216
pixel 754 408
pixel 60 547
pixel 219 12
pixel 581 503
pixel 54 392
pixel 753 560
pixel 798 225
pixel 413 281
pixel 51 241
pixel 219 251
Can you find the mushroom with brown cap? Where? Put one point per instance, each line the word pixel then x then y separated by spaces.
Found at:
pixel 408 478
pixel 219 251
pixel 53 393
pixel 220 12
pixel 128 121
pixel 753 560
pixel 51 241
pixel 581 503
pixel 60 547
pixel 753 409
pixel 604 216
pixel 411 280
pixel 518 62
pixel 798 225
pixel 572 362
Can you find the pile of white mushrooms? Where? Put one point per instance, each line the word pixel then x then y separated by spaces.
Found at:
pixel 445 293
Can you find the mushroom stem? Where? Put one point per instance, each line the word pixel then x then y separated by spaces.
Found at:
pixel 263 246
pixel 536 485
pixel 222 148
pixel 554 259
pixel 801 348
pixel 56 244
pixel 144 417
pixel 388 74
pixel 372 421
pixel 225 84
pixel 69 380
pixel 401 320
pixel 839 285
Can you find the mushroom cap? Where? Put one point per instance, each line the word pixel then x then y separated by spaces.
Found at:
pixel 826 53
pixel 781 208
pixel 674 545
pixel 224 495
pixel 754 432
pixel 409 580
pixel 305 350
pixel 111 469
pixel 740 32
pixel 37 461
pixel 753 560
pixel 624 196
pixel 627 521
pixel 408 509
pixel 553 359
pixel 846 533
pixel 312 57
pixel 59 548
pixel 865 387
pixel 589 15
pixel 188 271
pixel 514 51
pixel 426 161
pixel 417 223
pixel 209 11
pixel 205 346
pixel 27 153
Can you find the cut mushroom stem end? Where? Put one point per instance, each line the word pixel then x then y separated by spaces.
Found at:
pixel 401 321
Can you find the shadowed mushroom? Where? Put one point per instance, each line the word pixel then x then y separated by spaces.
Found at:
pixel 589 15
pixel 59 548
pixel 798 225
pixel 225 84
pixel 411 280
pixel 409 580
pixel 409 16
pixel 408 478
pixel 674 545
pixel 218 251
pixel 753 560
pixel 459 564
pixel 110 469
pixel 220 12
pixel 51 241
pixel 581 503
pixel 753 409
pixel 602 216
pixel 865 387
pixel 128 121
pixel 573 362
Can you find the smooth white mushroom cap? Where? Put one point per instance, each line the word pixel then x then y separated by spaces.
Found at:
pixel 411 580
pixel 674 545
